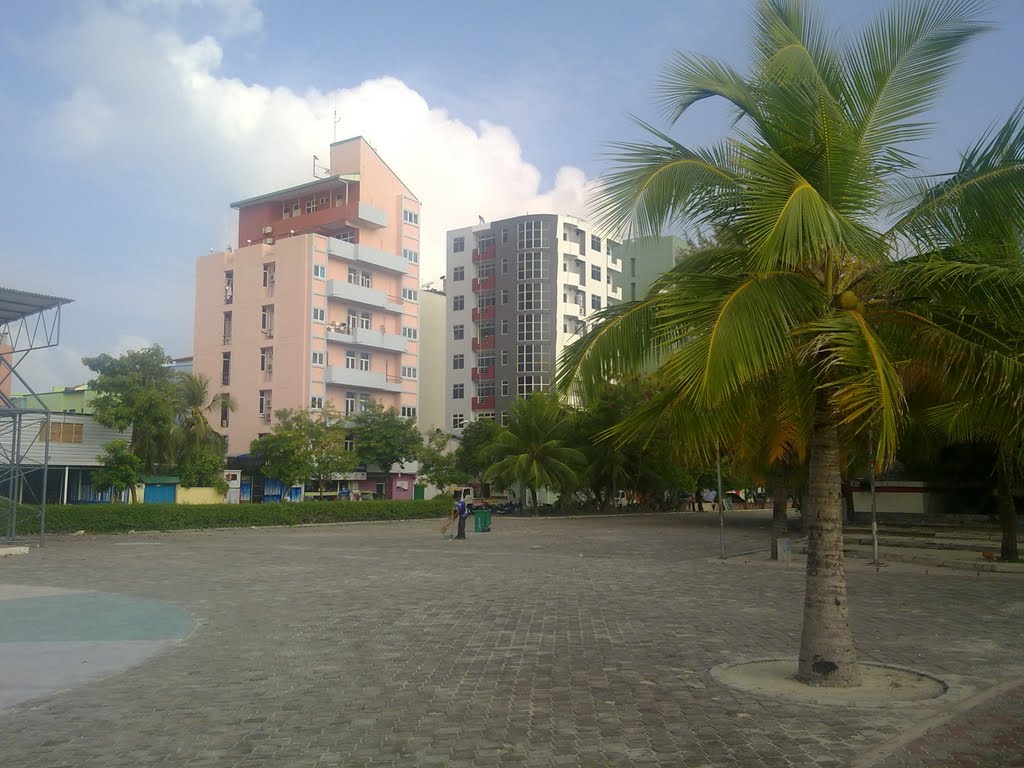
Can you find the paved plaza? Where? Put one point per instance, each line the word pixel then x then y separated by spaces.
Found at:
pixel 544 643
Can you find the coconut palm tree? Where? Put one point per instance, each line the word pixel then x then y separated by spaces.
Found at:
pixel 193 432
pixel 851 270
pixel 531 451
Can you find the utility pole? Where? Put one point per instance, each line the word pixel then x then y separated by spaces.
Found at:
pixel 721 503
pixel 874 499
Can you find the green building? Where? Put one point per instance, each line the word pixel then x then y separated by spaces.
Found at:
pixel 645 260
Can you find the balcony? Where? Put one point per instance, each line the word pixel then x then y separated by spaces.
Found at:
pixel 352 377
pixel 574 310
pixel 487 254
pixel 487 342
pixel 487 313
pixel 483 373
pixel 371 216
pixel 365 337
pixel 571 248
pixel 483 403
pixel 328 219
pixel 483 283
pixel 364 254
pixel 358 294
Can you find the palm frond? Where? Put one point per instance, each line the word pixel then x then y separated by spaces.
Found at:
pixel 689 79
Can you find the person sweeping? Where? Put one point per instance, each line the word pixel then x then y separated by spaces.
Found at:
pixel 463 512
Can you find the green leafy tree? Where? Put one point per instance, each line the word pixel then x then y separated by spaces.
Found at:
pixel 199 449
pixel 852 270
pixel 303 446
pixel 137 392
pixel 120 469
pixel 532 451
pixel 438 461
pixel 471 455
pixel 384 438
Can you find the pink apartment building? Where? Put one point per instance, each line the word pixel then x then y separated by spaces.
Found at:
pixel 318 304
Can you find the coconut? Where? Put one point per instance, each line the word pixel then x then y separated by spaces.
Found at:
pixel 848 300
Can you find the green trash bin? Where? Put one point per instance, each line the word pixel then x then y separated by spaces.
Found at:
pixel 481 520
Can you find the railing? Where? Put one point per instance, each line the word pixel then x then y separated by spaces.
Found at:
pixel 483 403
pixel 483 283
pixel 227 338
pixel 487 342
pixel 483 373
pixel 487 254
pixel 485 313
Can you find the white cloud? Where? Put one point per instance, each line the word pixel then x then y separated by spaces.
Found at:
pixel 238 17
pixel 143 102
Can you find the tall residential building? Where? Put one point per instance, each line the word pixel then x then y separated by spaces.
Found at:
pixel 519 290
pixel 318 303
pixel 645 260
pixel 433 332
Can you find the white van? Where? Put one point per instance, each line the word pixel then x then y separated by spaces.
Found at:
pixel 463 492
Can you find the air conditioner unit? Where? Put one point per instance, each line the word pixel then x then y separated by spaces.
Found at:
pixel 268 241
pixel 268 230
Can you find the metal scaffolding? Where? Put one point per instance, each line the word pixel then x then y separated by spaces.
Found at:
pixel 28 321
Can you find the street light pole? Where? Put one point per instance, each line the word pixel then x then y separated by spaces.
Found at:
pixel 721 503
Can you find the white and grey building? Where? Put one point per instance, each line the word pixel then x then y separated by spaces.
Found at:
pixel 518 291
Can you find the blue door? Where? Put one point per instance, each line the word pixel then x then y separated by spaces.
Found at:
pixel 159 493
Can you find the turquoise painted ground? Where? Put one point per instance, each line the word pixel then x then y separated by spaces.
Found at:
pixel 90 616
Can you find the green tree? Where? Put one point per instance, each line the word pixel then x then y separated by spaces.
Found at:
pixel 199 449
pixel 120 469
pixel 532 451
pixel 471 455
pixel 852 270
pixel 438 461
pixel 303 446
pixel 137 392
pixel 384 438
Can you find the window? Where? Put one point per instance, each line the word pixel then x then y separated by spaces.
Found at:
pixel 458 303
pixel 504 266
pixel 267 319
pixel 410 333
pixel 531 235
pixel 353 321
pixel 410 295
pixel 632 291
pixel 595 301
pixel 408 412
pixel 350 444
pixel 411 256
pixel 411 217
pixel 269 271
pixel 319 271
pixel 485 300
pixel 229 286
pixel 504 234
pixel 319 315
pixel 349 236
pixel 310 206
pixel 458 362
pixel 350 360
pixel 267 359
pixel 364 402
pixel 318 358
pixel 364 361
pixel 504 327
pixel 533 296
pixel 504 357
pixel 225 414
pixel 485 270
pixel 532 266
pixel 608 247
pixel 504 295
pixel 504 418
pixel 62 432
pixel 458 391
pixel 225 368
pixel 353 276
pixel 227 327
pixel 485 390
pixel 264 403
pixel 632 267
pixel 458 274
pixel 408 372
pixel 458 244
pixel 365 320
pixel 533 358
pixel 485 361
pixel 529 384
pixel 350 403
pixel 504 389
pixel 595 272
pixel 458 332
pixel 532 328
pixel 366 279
pixel 316 403
pixel 458 420
pixel 595 242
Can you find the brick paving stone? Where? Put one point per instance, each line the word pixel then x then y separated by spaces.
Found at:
pixel 381 644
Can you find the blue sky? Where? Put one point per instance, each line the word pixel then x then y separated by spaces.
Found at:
pixel 130 125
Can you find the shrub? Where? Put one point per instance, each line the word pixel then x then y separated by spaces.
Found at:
pixel 114 518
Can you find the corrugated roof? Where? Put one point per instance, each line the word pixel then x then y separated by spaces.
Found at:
pixel 15 304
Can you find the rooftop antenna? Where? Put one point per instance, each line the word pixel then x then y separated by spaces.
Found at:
pixel 336 121
pixel 322 169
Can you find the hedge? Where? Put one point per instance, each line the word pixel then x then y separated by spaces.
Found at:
pixel 114 518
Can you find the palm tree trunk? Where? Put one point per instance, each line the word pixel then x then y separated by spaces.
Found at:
pixel 1007 511
pixel 827 654
pixel 533 501
pixel 780 522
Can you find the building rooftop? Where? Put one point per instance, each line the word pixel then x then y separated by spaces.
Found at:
pixel 291 192
pixel 14 304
